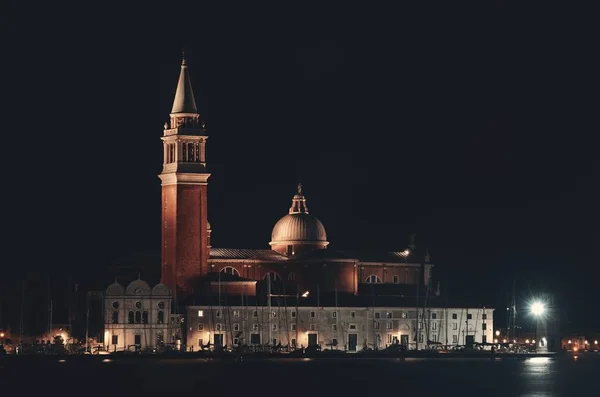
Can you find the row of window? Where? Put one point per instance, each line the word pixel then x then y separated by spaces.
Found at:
pixel 236 314
pixel 372 279
pixel 138 305
pixel 376 325
pixel 138 317
pixel 160 340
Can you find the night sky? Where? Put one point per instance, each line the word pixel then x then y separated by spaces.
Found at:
pixel 471 128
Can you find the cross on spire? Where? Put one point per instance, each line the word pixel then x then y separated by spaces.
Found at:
pixel 299 188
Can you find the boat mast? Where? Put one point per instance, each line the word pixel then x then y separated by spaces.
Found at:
pixel 514 311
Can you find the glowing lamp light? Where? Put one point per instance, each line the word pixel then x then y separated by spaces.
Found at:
pixel 497 333
pixel 586 342
pixel 537 308
pixel 533 341
pixel 1 334
pixel 503 340
pixel 304 295
pixel 595 342
pixel 569 341
pixel 495 340
pixel 527 341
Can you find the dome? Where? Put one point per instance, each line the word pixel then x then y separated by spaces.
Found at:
pixel 160 289
pixel 298 228
pixel 138 287
pixel 115 289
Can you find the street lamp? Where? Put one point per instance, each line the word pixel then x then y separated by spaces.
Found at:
pixel 538 309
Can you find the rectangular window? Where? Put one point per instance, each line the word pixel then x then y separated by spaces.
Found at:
pixel 200 327
pixel 115 339
pixel 454 338
pixel 484 316
pixel 484 326
pixel 254 327
pixel 200 313
pixel 334 314
pixel 312 314
pixel 454 326
pixel 433 316
pixel 218 314
pixel 434 325
pixel 353 314
pixel 469 316
pixel 312 327
pixel 236 313
pixel 377 314
pixel 218 327
pixel 236 327
pixel 294 314
pixel 294 343
pixel 390 325
pixel 236 341
pixel 388 315
pixel 404 315
pixel 420 325
pixel 420 338
pixel 376 324
pixel 434 337
pixel 389 338
pixel 334 327
pixel 274 327
pixel 420 315
pixel 274 314
pixel 396 279
pixel 483 338
pixel 353 327
pixel 200 342
pixel 255 339
pixel 255 313
pixel 454 316
pixel 293 327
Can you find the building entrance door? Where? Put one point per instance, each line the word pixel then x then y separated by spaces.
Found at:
pixel 312 339
pixel 138 339
pixel 219 340
pixel 470 340
pixel 404 340
pixel 352 342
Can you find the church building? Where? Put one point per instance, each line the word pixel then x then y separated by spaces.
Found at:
pixel 298 292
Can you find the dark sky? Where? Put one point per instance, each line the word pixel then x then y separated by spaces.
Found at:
pixel 473 128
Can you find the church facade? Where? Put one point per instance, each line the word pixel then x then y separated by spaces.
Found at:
pixel 335 297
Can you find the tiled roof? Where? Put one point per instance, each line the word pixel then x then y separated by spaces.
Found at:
pixel 270 255
pixel 245 253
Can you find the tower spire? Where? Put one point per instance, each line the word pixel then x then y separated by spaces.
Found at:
pixel 184 96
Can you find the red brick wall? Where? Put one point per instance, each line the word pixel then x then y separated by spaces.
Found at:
pixel 184 231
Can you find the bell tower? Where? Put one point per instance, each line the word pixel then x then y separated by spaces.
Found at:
pixel 184 180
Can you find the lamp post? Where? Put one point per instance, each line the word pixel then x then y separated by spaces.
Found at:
pixel 538 310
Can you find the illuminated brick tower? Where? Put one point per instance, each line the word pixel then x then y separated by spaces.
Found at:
pixel 184 251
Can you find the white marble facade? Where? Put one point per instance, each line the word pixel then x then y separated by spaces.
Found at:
pixel 138 316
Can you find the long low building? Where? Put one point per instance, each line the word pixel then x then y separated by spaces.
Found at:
pixel 351 328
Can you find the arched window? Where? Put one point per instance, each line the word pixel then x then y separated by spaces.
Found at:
pixel 138 317
pixel 291 276
pixel 373 279
pixel 130 318
pixel 273 276
pixel 145 317
pixel 230 270
pixel 161 317
pixel 115 317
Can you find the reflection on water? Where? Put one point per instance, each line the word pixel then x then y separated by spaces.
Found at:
pixel 504 377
